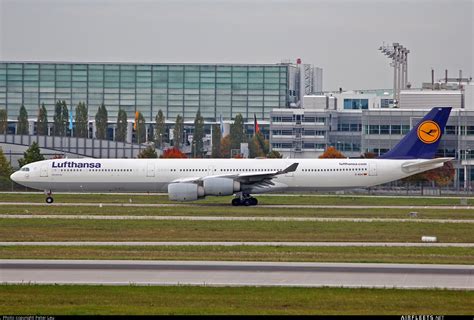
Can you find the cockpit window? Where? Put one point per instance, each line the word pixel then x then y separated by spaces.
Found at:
pixel 25 169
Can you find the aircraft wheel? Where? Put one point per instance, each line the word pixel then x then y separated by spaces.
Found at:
pixel 247 202
pixel 49 200
pixel 236 202
pixel 254 201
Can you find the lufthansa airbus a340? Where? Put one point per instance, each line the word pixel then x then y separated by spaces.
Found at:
pixel 188 180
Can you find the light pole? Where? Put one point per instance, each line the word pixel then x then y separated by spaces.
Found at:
pixel 399 56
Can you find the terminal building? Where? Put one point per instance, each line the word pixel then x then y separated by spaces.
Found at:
pixel 358 122
pixel 217 90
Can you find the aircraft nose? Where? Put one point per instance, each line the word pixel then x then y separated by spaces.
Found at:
pixel 15 176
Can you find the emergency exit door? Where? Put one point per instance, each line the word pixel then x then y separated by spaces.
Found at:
pixel 372 169
pixel 44 171
pixel 150 171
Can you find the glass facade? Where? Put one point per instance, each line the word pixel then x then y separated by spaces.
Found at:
pixel 356 104
pixel 182 89
pixel 386 103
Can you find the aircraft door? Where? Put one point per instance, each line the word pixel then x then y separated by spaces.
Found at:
pixel 211 170
pixel 150 172
pixel 44 171
pixel 372 169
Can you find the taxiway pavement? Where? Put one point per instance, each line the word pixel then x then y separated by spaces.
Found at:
pixel 223 218
pixel 158 205
pixel 215 273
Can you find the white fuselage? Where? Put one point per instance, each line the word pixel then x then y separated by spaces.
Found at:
pixel 154 175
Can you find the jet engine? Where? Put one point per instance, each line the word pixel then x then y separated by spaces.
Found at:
pixel 220 186
pixel 188 191
pixel 185 191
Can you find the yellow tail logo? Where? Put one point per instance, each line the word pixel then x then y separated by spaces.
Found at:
pixel 429 131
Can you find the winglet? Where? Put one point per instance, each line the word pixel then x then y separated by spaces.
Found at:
pixel 291 168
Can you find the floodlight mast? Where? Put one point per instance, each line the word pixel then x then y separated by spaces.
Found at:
pixel 399 56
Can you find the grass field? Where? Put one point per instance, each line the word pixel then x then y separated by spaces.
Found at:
pixel 170 230
pixel 133 300
pixel 267 199
pixel 258 211
pixel 110 300
pixel 113 230
pixel 247 253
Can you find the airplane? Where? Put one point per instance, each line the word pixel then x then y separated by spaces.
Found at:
pixel 193 179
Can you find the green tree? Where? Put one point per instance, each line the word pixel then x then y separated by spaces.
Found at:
pixel 42 122
pixel 254 148
pixel 237 133
pixel 140 132
pixel 258 146
pixel 216 141
pixel 101 120
pixel 148 152
pixel 32 154
pixel 225 147
pixel 65 116
pixel 122 126
pixel 198 135
pixel 160 129
pixel 82 120
pixel 5 172
pixel 22 125
pixel 3 121
pixel 274 154
pixel 178 132
pixel 60 118
pixel 5 167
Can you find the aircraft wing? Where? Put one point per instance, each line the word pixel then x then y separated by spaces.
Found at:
pixel 244 177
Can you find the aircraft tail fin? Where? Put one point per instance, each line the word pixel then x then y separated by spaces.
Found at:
pixel 423 139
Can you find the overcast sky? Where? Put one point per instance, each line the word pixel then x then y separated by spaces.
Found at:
pixel 342 37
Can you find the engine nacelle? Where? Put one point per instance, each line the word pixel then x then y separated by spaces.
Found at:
pixel 185 191
pixel 220 186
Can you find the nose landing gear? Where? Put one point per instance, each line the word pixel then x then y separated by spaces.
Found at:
pixel 244 200
pixel 49 198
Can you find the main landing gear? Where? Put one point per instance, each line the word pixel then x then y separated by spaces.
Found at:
pixel 49 198
pixel 244 200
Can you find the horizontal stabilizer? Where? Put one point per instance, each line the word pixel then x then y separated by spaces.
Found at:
pixel 414 166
